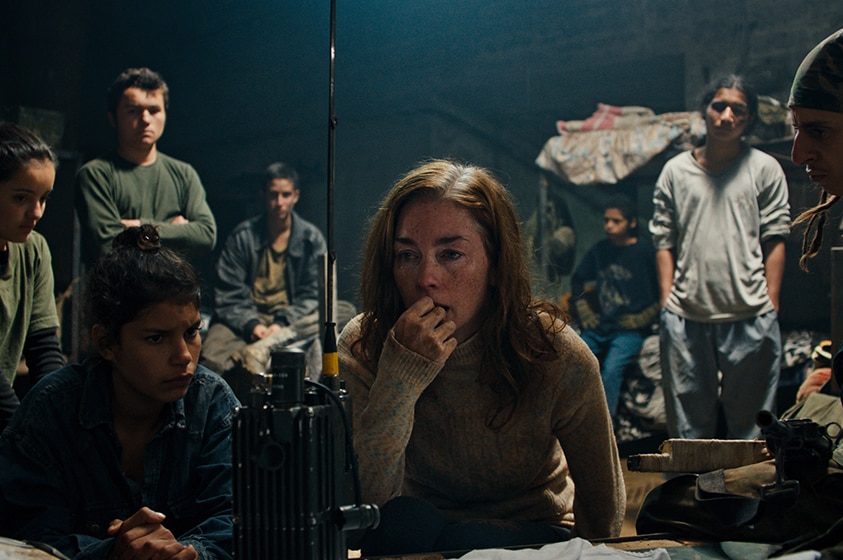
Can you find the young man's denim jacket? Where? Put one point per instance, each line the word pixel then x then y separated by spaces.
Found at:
pixel 237 268
pixel 61 480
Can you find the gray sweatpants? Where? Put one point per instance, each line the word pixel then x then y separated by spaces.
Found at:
pixel 734 364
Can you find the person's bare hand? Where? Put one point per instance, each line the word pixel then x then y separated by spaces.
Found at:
pixel 144 537
pixel 260 332
pixel 423 329
pixel 179 220
pixel 127 223
pixel 272 329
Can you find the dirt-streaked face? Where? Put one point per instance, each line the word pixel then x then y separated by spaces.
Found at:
pixel 727 115
pixel 440 253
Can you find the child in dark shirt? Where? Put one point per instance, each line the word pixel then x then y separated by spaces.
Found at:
pixel 622 270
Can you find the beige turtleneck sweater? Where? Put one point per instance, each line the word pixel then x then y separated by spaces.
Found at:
pixel 419 430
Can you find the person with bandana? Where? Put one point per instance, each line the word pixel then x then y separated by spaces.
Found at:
pixel 816 105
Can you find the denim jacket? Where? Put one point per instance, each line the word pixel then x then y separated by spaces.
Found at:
pixel 237 268
pixel 61 480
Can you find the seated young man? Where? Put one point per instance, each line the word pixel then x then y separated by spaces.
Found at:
pixel 267 291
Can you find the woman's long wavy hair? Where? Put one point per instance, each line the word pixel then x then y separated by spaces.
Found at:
pixel 514 334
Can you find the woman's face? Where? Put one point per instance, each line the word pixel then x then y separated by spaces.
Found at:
pixel 439 253
pixel 23 198
pixel 156 356
pixel 818 146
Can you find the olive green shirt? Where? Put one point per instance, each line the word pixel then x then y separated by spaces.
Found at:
pixel 110 188
pixel 27 299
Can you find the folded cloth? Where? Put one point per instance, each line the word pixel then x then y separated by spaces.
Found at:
pixel 609 155
pixel 700 455
pixel 804 555
pixel 607 117
pixel 574 548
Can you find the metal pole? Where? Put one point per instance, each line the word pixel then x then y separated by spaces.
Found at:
pixel 330 361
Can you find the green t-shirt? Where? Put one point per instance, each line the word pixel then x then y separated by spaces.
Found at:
pixel 27 299
pixel 109 189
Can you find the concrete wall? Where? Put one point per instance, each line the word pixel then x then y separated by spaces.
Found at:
pixel 480 81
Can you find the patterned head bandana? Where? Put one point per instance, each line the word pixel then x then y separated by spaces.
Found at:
pixel 819 80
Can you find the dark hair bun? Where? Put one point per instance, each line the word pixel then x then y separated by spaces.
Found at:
pixel 145 238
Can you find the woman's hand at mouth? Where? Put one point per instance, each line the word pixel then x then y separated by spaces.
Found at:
pixel 423 329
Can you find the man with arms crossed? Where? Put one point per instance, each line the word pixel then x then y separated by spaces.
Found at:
pixel 136 183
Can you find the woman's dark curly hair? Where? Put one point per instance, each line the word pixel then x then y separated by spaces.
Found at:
pixel 136 274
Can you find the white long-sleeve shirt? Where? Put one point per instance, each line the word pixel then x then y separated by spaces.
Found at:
pixel 717 224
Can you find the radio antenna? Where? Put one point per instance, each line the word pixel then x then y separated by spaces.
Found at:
pixel 330 359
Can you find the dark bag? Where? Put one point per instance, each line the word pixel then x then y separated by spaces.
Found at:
pixel 684 507
pixel 800 505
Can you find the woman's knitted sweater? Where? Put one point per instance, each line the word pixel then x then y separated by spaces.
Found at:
pixel 420 429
